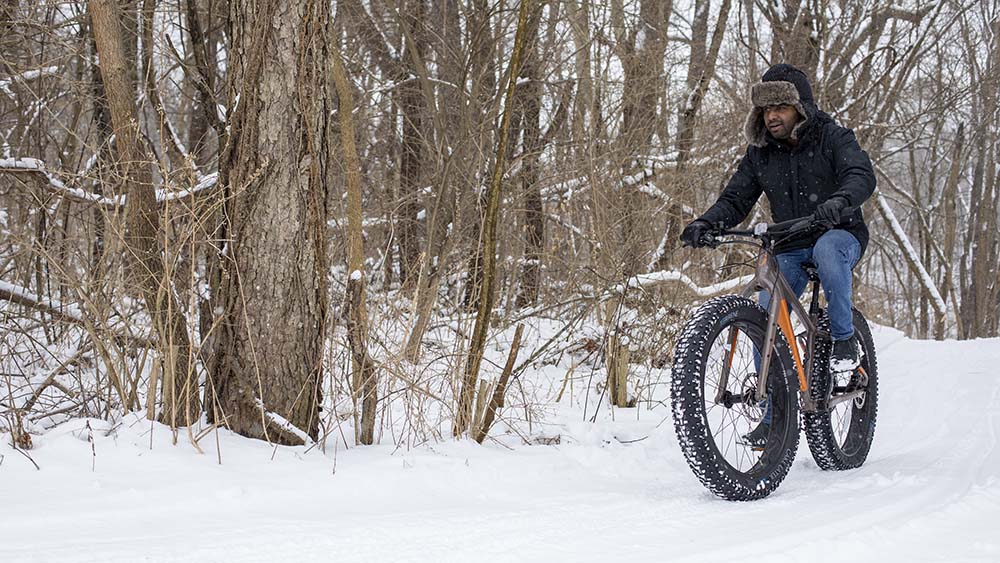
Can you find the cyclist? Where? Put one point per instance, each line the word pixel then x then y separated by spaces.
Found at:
pixel 806 164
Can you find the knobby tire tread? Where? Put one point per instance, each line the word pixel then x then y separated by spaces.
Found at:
pixel 688 401
pixel 818 426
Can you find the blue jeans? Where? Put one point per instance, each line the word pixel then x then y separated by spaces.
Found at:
pixel 835 255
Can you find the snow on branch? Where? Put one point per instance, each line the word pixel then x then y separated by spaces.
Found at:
pixel 912 258
pixel 33 165
pixel 283 424
pixel 23 296
pixel 25 76
pixel 67 312
pixel 564 190
pixel 643 280
pixel 649 189
pixel 205 183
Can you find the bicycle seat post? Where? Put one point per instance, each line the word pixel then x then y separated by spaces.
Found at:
pixel 810 269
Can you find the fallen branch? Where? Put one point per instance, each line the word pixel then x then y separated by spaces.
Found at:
pixel 496 402
pixel 63 311
pixel 912 258
pixel 51 379
pixel 206 184
pixel 643 280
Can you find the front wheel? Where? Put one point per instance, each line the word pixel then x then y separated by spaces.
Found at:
pixel 713 420
pixel 840 433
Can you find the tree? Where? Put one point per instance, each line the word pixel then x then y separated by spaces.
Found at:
pixel 268 362
pixel 484 310
pixel 179 387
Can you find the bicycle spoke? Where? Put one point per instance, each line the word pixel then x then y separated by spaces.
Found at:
pixel 728 425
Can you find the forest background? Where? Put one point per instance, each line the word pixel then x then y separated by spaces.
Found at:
pixel 309 219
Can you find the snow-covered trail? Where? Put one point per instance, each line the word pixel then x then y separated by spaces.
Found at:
pixel 930 491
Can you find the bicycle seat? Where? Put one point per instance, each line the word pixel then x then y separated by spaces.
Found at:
pixel 810 267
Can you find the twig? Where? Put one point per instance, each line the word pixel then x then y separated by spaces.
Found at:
pixel 93 449
pixel 496 402
pixel 50 379
pixel 25 454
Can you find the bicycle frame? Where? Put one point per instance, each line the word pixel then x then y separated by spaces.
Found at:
pixel 768 278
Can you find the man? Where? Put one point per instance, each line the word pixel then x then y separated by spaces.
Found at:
pixel 805 164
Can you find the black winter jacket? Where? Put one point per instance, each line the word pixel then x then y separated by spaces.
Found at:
pixel 827 162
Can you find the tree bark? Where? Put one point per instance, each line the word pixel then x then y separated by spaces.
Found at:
pixel 700 74
pixel 472 203
pixel 641 52
pixel 413 113
pixel 530 95
pixel 273 294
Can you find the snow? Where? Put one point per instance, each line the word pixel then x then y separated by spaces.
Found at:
pixel 35 165
pixel 21 164
pixel 616 489
pixel 285 425
pixel 24 294
pixel 205 182
pixel 25 76
pixel 673 275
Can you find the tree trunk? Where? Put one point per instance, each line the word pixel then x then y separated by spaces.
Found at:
pixel 472 203
pixel 180 384
pixel 413 113
pixel 455 159
pixel 700 74
pixel 529 94
pixel 477 344
pixel 641 53
pixel 273 294
pixel 363 380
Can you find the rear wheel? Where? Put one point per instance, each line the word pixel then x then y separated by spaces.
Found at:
pixel 711 421
pixel 840 436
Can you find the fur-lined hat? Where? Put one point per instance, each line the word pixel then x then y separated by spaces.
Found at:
pixel 781 84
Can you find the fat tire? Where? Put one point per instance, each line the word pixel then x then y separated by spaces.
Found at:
pixel 826 450
pixel 688 402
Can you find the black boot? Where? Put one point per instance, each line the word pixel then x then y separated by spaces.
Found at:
pixel 756 438
pixel 845 355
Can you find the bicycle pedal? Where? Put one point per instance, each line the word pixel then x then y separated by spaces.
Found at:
pixel 751 447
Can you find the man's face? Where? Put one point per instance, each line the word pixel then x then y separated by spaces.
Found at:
pixel 780 120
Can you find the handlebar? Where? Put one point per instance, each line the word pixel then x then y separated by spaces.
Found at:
pixel 764 231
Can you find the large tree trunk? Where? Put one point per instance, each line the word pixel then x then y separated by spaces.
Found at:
pixel 472 202
pixel 203 77
pixel 455 158
pixel 980 273
pixel 269 352
pixel 701 70
pixel 641 52
pixel 412 170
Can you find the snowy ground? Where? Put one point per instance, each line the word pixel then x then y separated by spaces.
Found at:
pixel 930 490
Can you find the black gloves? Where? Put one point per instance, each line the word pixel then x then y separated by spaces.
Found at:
pixel 697 234
pixel 831 211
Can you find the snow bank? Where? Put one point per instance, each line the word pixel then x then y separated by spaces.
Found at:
pixel 613 489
